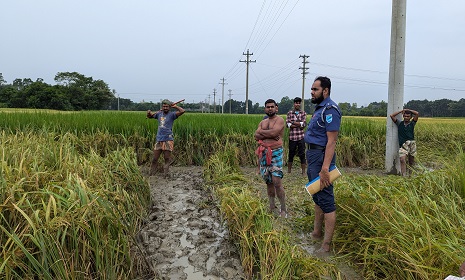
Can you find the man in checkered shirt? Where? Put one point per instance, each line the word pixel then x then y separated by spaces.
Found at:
pixel 296 121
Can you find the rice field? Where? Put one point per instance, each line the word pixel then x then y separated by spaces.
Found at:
pixel 72 196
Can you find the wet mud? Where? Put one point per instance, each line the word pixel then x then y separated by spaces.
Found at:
pixel 184 237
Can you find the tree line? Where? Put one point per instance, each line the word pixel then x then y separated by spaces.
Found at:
pixel 75 92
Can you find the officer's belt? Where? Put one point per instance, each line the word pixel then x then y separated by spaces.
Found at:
pixel 315 147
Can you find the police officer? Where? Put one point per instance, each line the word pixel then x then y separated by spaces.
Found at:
pixel 320 139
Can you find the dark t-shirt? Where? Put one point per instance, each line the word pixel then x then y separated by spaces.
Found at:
pixel 405 132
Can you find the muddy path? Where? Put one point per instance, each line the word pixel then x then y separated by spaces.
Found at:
pixel 184 237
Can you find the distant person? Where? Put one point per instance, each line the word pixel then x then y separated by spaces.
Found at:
pixel 320 138
pixel 165 140
pixel 296 121
pixel 406 135
pixel 269 135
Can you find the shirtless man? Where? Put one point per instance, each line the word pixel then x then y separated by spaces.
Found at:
pixel 269 135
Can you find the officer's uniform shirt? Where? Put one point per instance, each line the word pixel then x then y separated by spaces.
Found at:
pixel 327 117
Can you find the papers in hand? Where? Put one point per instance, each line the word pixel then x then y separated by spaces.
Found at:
pixel 313 186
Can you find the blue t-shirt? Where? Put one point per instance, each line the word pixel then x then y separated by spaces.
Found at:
pixel 327 117
pixel 165 125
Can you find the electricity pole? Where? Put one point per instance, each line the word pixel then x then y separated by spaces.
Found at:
pixel 214 100
pixel 222 94
pixel 396 82
pixel 230 100
pixel 304 61
pixel 247 61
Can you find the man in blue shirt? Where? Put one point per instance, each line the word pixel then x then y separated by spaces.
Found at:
pixel 165 140
pixel 320 139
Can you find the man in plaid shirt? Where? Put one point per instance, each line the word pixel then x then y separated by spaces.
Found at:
pixel 296 121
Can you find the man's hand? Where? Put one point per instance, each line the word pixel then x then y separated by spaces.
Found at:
pixel 324 178
pixel 149 114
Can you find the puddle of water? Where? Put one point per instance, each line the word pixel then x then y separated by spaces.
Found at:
pixel 210 263
pixel 192 273
pixel 185 243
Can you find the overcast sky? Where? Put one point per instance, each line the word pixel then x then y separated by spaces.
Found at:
pixel 152 49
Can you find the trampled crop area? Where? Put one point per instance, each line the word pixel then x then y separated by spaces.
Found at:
pixel 73 197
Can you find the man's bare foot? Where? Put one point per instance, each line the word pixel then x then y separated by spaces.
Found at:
pixel 153 171
pixel 283 214
pixel 320 253
pixel 316 237
pixel 274 210
pixel 325 247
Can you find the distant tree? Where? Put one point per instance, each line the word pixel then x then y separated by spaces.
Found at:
pixel 18 98
pixel 285 105
pixel 256 109
pixel 20 84
pixel 422 106
pixel 7 95
pixel 84 92
pixel 44 96
pixel 345 108
pixel 441 108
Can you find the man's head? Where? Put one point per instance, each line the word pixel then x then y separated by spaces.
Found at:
pixel 271 107
pixel 321 89
pixel 407 115
pixel 297 102
pixel 166 106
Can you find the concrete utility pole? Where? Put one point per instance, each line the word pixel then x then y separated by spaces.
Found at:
pixel 222 94
pixel 214 100
pixel 209 102
pixel 247 61
pixel 396 82
pixel 304 61
pixel 230 100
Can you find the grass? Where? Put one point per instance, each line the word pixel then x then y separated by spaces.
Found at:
pixel 67 213
pixel 266 251
pixel 72 197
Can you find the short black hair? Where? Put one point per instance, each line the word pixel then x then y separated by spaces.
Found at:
pixel 325 82
pixel 271 101
pixel 297 99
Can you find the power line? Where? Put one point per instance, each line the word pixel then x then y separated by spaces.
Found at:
pixel 385 72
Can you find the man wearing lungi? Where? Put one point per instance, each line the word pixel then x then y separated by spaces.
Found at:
pixel 269 135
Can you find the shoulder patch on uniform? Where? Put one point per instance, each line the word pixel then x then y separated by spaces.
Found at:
pixel 329 118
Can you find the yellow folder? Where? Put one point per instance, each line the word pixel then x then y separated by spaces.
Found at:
pixel 313 186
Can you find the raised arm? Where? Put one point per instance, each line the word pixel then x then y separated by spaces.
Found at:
pixel 393 115
pixel 179 110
